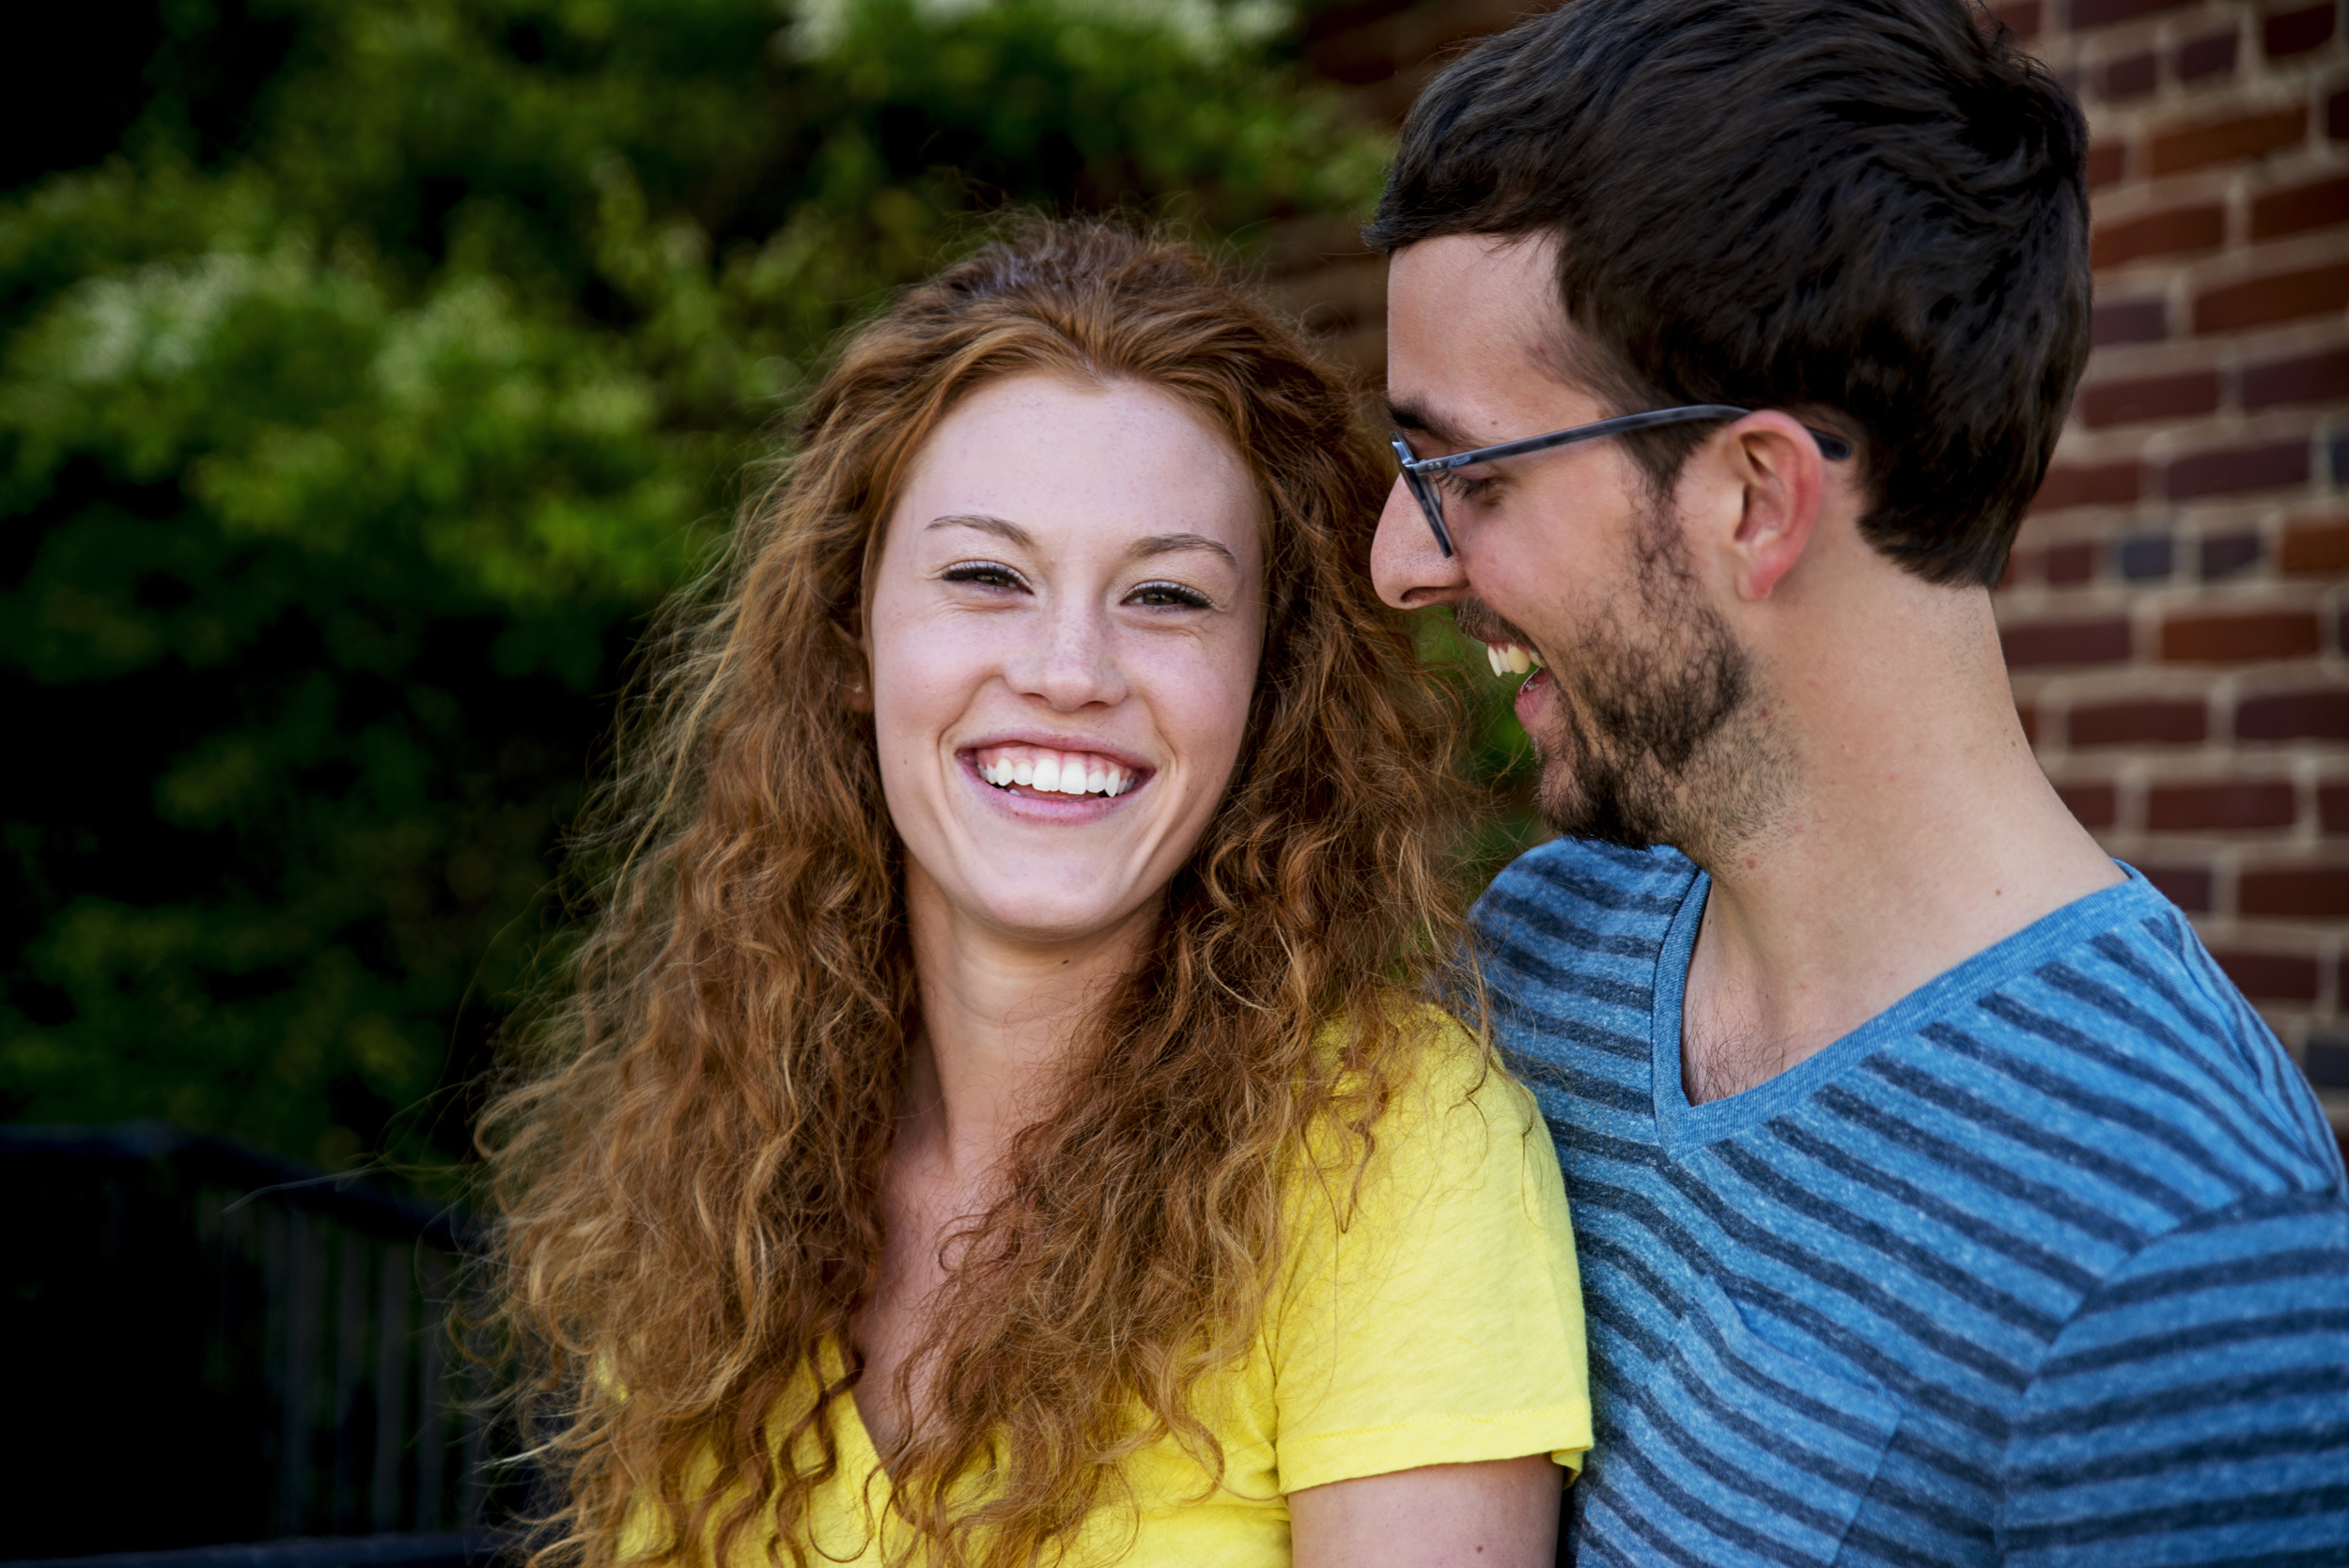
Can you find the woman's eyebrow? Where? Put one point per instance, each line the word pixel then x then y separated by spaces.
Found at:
pixel 1170 544
pixel 1141 548
pixel 1003 528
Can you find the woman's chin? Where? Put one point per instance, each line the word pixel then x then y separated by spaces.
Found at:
pixel 1024 894
pixel 1032 919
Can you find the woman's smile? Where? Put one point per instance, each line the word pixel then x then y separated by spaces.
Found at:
pixel 1055 775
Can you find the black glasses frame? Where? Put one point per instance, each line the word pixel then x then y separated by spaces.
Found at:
pixel 1418 471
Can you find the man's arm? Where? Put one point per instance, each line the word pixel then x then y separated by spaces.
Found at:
pixel 2197 1402
pixel 1500 1514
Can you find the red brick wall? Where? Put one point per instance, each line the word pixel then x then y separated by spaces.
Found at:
pixel 2177 619
pixel 2174 615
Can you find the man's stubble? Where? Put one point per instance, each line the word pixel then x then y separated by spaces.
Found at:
pixel 1657 731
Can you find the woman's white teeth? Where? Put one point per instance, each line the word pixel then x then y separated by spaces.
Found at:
pixel 1055 773
pixel 1512 658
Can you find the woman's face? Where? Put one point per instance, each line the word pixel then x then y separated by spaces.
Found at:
pixel 1064 632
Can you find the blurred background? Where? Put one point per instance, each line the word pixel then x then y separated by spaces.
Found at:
pixel 369 369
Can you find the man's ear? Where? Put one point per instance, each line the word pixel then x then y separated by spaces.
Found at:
pixel 1782 479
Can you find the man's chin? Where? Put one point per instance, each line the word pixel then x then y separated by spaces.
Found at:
pixel 1597 829
pixel 1596 812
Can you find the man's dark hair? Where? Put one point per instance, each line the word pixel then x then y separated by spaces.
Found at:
pixel 1871 208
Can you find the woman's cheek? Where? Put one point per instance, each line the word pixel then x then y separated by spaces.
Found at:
pixel 1204 702
pixel 926 673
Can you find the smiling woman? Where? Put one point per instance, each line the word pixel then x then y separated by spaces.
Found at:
pixel 992 1121
pixel 1093 620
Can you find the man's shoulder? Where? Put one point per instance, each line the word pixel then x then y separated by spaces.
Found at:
pixel 1568 939
pixel 2128 1040
pixel 1568 892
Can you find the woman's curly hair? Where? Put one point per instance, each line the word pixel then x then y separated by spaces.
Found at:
pixel 688 1147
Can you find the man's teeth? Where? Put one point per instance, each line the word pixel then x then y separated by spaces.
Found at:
pixel 1052 773
pixel 1512 658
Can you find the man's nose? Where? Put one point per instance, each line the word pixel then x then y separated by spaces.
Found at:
pixel 1406 564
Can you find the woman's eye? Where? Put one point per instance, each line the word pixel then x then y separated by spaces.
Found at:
pixel 1169 595
pixel 984 574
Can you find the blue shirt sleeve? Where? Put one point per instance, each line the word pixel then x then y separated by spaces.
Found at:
pixel 2195 1408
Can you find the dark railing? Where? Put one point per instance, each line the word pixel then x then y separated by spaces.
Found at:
pixel 442 1549
pixel 224 1346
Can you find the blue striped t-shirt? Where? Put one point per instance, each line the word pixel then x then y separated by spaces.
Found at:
pixel 2046 1263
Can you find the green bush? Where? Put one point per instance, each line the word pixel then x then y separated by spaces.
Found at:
pixel 357 408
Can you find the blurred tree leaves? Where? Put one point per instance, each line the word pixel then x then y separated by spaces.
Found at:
pixel 358 402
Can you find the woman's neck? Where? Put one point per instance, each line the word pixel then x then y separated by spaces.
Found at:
pixel 1002 1024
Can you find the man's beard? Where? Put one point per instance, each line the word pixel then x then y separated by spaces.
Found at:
pixel 1651 734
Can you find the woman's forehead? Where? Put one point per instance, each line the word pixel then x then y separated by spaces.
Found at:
pixel 1082 461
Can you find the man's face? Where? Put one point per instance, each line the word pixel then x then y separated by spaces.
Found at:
pixel 1642 717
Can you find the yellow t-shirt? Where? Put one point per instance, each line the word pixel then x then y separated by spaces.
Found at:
pixel 1441 1325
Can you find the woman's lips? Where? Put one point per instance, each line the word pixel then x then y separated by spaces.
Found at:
pixel 1038 773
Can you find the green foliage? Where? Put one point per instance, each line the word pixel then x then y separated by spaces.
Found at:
pixel 355 410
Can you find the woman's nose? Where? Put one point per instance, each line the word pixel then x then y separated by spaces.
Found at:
pixel 1073 665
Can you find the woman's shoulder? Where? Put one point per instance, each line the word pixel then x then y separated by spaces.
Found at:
pixel 1442 1109
pixel 1431 1309
pixel 1437 1069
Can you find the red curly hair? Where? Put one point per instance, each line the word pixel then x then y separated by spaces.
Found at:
pixel 687 1151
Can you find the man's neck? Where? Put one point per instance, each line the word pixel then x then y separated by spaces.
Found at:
pixel 1916 831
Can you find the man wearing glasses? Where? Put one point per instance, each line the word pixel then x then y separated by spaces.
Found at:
pixel 1938 1200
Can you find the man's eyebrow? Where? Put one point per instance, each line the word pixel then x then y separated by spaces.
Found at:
pixel 1413 416
pixel 1169 544
pixel 1003 528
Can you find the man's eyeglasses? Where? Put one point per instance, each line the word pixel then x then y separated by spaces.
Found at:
pixel 1419 473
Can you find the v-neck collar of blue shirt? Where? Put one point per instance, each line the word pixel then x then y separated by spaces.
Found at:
pixel 1680 1125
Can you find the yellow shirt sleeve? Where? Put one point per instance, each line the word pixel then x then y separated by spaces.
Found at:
pixel 1433 1314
